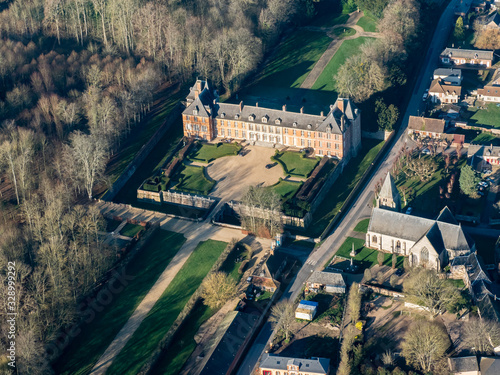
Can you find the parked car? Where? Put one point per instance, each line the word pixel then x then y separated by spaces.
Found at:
pixel 269 166
pixel 426 151
pixel 426 95
pixel 483 184
pixel 409 210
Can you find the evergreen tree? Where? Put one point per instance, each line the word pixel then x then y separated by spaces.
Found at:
pixel 468 181
pixel 459 32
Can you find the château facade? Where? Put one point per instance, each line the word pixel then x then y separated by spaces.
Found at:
pixel 336 135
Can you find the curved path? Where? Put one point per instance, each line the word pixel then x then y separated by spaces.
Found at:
pixel 332 49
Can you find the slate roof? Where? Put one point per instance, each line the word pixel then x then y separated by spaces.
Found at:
pixel 438 86
pixel 326 278
pixel 493 19
pixel 389 189
pixel 490 365
pixel 468 53
pixel 481 151
pixel 489 91
pixel 446 216
pixel 427 124
pixel 463 364
pixel 448 72
pixel 313 365
pixel 440 234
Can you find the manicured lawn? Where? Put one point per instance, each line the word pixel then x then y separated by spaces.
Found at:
pixel 159 320
pixel 368 23
pixel 172 360
pixel 295 164
pixel 365 257
pixel 489 116
pixel 362 226
pixel 209 152
pixel 330 19
pixel 192 179
pixel 95 337
pixel 233 262
pixel 348 48
pixel 343 186
pixel 342 32
pixel 486 139
pixel 130 230
pixel 286 189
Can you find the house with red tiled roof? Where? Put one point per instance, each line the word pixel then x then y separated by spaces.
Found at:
pixel 440 92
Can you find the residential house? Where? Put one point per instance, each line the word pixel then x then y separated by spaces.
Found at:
pixel 389 198
pixel 268 271
pixel 306 310
pixel 338 134
pixel 426 127
pixel 455 139
pixel 277 365
pixel 330 282
pixel 489 94
pixel 440 92
pixel 429 243
pixel 482 158
pixel 458 57
pixel 492 20
pixel 449 75
pixel 464 365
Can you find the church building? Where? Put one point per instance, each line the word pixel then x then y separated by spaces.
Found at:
pixel 428 243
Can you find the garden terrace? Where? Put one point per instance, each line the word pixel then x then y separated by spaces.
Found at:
pixel 295 163
pixel 131 230
pixel 207 152
pixel 193 179
pixel 316 179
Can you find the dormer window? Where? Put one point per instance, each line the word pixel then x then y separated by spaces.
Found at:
pixel 329 128
pixel 222 115
pixel 277 121
pixel 309 126
pixel 236 116
pixel 265 118
pixel 251 118
pixel 295 124
pixel 195 112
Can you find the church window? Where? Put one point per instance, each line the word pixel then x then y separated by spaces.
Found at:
pixel 424 256
pixel 398 247
pixel 374 239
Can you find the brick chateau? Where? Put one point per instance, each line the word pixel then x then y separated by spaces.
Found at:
pixel 336 135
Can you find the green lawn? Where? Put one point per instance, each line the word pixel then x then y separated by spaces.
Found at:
pixel 95 337
pixel 348 48
pixel 159 320
pixel 486 138
pixel 286 189
pixel 489 116
pixel 192 179
pixel 233 262
pixel 130 230
pixel 342 32
pixel 362 226
pixel 330 19
pixel 343 186
pixel 209 152
pixel 365 257
pixel 295 164
pixel 368 23
pixel 172 360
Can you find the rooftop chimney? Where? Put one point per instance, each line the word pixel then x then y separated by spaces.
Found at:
pixel 340 104
pixel 284 107
pixel 241 106
pixel 302 110
pixel 257 104
pixel 321 114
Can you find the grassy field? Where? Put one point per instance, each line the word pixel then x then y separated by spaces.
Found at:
pixel 330 19
pixel 95 337
pixel 209 152
pixel 368 23
pixel 348 48
pixel 486 139
pixel 167 308
pixel 295 164
pixel 172 360
pixel 489 116
pixel 192 179
pixel 362 226
pixel 342 32
pixel 286 189
pixel 232 264
pixel 365 257
pixel 130 230
pixel 343 186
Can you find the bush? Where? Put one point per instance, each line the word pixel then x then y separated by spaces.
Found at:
pixel 393 280
pixel 368 275
pixel 380 258
pixel 380 278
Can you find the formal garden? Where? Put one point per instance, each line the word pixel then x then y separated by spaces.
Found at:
pixel 295 163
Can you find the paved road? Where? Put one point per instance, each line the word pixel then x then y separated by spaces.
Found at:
pixel 360 207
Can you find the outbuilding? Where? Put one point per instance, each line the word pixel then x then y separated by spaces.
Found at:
pixel 306 310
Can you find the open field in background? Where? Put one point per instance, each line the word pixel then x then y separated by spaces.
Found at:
pixel 343 186
pixel 159 320
pixel 95 336
pixel 348 48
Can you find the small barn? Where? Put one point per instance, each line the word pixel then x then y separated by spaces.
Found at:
pixel 306 310
pixel 329 282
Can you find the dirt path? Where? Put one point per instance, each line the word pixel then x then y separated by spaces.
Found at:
pixel 194 232
pixel 334 46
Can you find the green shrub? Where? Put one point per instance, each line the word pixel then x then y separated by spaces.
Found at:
pixel 150 187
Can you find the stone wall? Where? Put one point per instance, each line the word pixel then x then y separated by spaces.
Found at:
pixel 149 196
pixel 380 135
pixel 186 199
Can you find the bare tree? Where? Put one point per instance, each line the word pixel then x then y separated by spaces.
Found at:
pixel 283 315
pixel 425 344
pixel 218 287
pixel 261 209
pixel 481 335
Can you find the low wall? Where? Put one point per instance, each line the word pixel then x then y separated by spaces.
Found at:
pixel 290 221
pixel 383 291
pixel 332 178
pixel 149 196
pixel 143 154
pixel 380 135
pixel 176 197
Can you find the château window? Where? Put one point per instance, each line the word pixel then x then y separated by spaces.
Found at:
pixel 336 146
pixel 328 145
pixel 278 121
pixel 204 128
pixel 222 115
pixel 294 132
pixel 188 126
pixel 302 142
pixel 308 134
pixel 195 112
pixel 295 124
pixel 251 117
pixel 301 133
pixel 265 118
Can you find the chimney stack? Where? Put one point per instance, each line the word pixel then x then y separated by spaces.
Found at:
pixel 241 106
pixel 257 104
pixel 340 104
pixel 284 107
pixel 321 114
pixel 302 110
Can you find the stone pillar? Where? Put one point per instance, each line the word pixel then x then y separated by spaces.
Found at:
pixel 367 239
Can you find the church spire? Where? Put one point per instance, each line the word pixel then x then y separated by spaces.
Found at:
pixel 389 197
